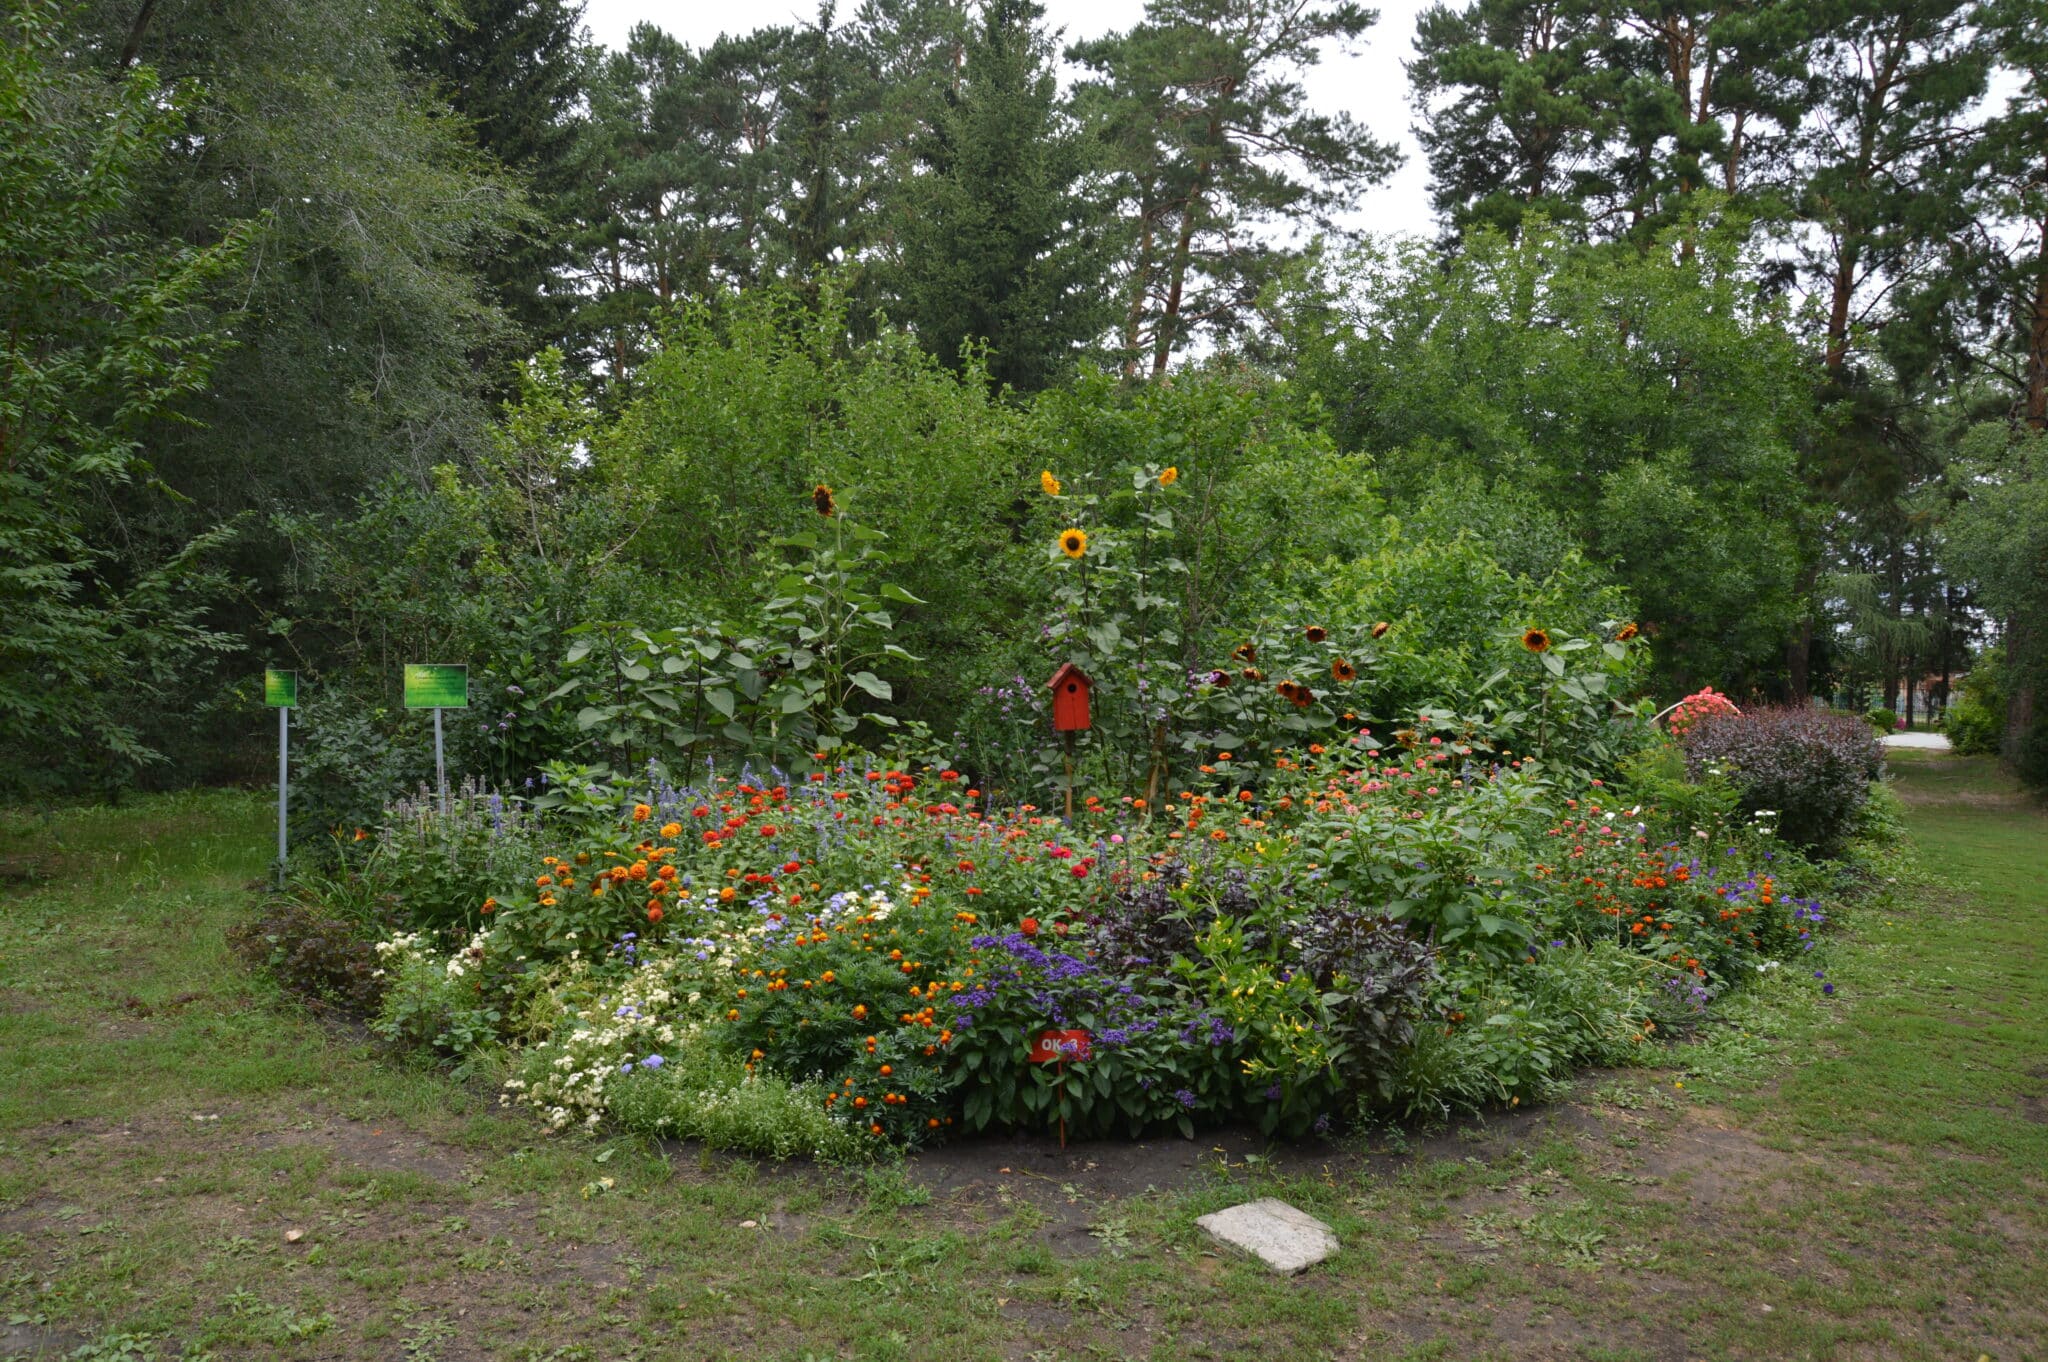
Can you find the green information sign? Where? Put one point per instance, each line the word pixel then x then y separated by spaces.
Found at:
pixel 436 685
pixel 280 688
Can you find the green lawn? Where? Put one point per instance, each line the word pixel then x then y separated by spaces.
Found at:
pixel 191 1166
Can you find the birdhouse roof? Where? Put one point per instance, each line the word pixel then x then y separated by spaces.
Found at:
pixel 1068 672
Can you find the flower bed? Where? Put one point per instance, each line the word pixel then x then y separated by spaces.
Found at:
pixel 870 956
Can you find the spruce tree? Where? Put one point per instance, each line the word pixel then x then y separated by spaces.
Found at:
pixel 514 70
pixel 998 242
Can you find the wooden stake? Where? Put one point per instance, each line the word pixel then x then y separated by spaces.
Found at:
pixel 1067 739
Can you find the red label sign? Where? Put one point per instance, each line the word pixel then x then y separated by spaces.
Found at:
pixel 1052 1046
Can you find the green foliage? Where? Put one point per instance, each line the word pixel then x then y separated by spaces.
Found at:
pixel 1649 401
pixel 794 679
pixel 719 1102
pixel 743 412
pixel 1975 721
pixel 350 759
pixel 103 328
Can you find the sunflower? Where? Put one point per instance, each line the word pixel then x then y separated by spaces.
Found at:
pixel 1219 679
pixel 1625 633
pixel 1536 641
pixel 1048 484
pixel 1254 674
pixel 1301 695
pixel 1245 652
pixel 1315 633
pixel 1169 477
pixel 821 498
pixel 1341 670
pixel 1073 543
pixel 1380 630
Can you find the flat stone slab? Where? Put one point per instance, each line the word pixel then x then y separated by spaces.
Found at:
pixel 1933 742
pixel 1278 1235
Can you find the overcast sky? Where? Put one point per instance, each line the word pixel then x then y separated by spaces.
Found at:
pixel 1369 83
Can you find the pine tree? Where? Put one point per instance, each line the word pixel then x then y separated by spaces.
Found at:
pixel 1514 106
pixel 1210 143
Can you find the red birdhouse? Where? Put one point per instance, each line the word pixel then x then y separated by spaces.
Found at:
pixel 1070 686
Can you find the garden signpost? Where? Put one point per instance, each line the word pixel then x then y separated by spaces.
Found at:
pixel 437 686
pixel 281 692
pixel 1056 1048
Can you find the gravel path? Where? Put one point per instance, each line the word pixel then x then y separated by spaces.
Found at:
pixel 1933 741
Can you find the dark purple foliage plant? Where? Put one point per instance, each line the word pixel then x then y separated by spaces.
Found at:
pixel 1810 769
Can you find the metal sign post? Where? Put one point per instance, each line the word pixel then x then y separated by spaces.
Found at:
pixel 281 692
pixel 437 686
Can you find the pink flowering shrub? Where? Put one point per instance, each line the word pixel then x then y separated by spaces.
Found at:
pixel 1696 707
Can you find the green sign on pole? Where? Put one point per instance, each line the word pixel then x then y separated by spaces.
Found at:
pixel 436 685
pixel 280 688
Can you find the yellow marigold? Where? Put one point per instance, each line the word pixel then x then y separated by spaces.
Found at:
pixel 1073 543
pixel 1047 483
pixel 641 813
pixel 1169 477
pixel 671 829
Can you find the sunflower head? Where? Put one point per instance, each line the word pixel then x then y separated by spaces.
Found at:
pixel 1245 652
pixel 1219 679
pixel 1169 477
pixel 1047 483
pixel 1536 641
pixel 1073 543
pixel 1626 632
pixel 1301 695
pixel 1254 674
pixel 1380 630
pixel 1315 633
pixel 821 501
pixel 1340 670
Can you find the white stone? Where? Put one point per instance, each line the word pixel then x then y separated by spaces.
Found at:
pixel 1278 1235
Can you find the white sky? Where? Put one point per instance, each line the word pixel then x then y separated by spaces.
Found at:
pixel 1369 83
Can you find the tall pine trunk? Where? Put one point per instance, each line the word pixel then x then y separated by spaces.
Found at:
pixel 2037 341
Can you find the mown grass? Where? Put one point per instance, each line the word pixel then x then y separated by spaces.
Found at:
pixel 1837 1177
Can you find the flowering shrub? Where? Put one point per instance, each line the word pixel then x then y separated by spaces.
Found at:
pixel 1810 768
pixel 1701 704
pixel 432 860
pixel 454 1003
